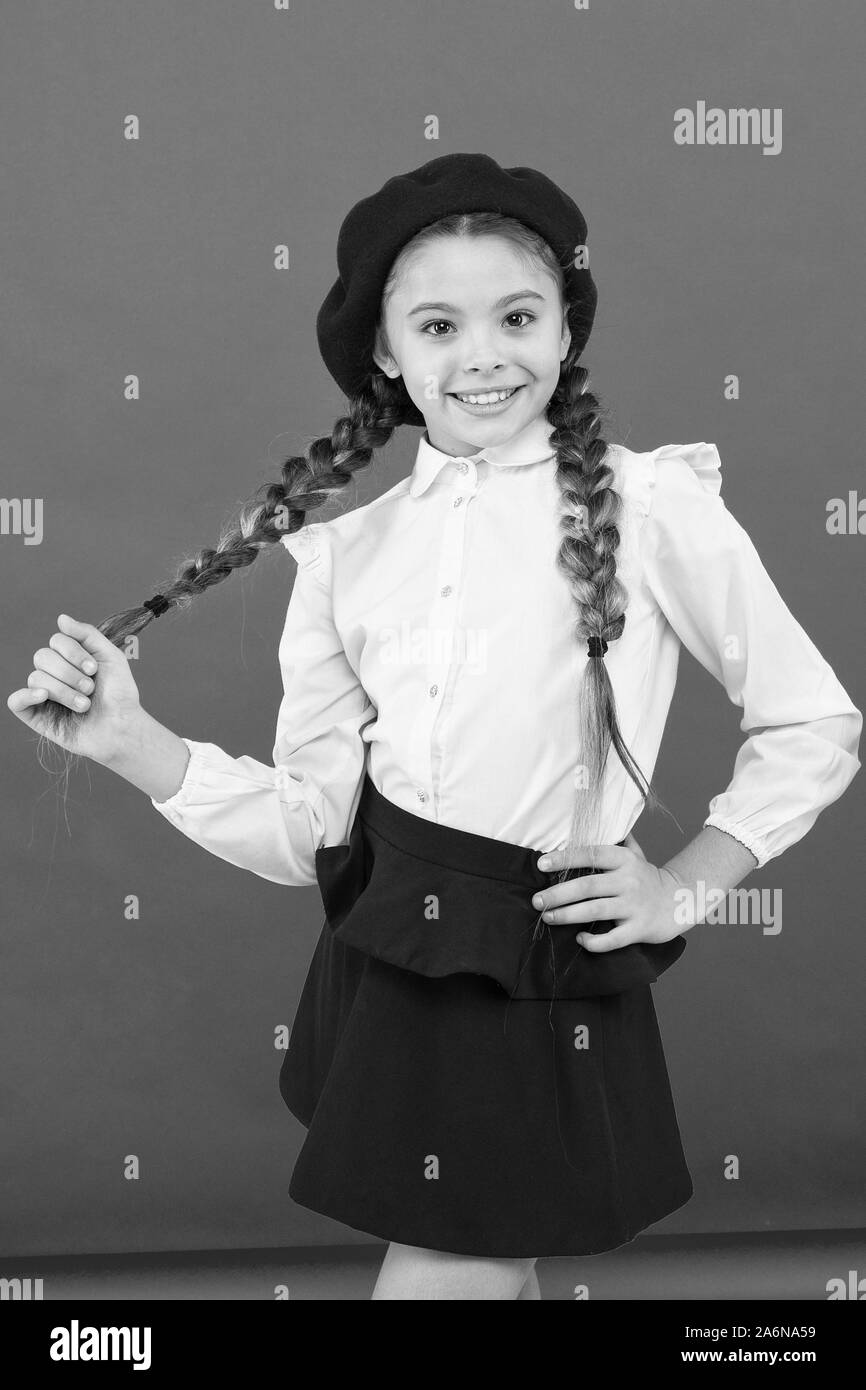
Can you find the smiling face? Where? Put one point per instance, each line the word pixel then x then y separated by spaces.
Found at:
pixel 469 317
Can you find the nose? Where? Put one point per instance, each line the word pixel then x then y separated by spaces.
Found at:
pixel 482 354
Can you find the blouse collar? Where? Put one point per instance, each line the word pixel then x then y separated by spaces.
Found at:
pixel 531 445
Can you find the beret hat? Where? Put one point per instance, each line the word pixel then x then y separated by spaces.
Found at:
pixel 376 228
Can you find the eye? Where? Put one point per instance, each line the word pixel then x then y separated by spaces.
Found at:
pixel 433 324
pixel 515 314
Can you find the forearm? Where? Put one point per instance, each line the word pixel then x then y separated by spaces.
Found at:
pixel 152 758
pixel 713 859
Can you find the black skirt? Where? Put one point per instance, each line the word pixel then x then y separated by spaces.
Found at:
pixel 469 1085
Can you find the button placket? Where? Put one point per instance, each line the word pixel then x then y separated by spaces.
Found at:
pixel 441 650
pixel 447 609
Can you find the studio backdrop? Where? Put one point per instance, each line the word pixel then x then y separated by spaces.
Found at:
pixel 175 177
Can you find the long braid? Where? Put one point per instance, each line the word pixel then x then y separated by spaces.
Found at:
pixel 590 519
pixel 276 509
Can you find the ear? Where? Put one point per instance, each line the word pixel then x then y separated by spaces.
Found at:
pixel 386 364
pixel 384 360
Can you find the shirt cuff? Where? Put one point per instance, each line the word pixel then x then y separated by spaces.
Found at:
pixel 192 778
pixel 753 843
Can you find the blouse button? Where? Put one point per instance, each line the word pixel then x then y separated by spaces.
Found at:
pixel 457 501
pixel 421 795
pixel 463 467
pixel 434 690
pixel 446 591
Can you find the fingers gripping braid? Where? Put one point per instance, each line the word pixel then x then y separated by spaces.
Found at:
pixel 277 509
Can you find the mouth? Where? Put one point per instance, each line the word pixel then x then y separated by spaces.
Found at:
pixel 485 402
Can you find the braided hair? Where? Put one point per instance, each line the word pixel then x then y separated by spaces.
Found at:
pixel 587 557
pixel 589 520
pixel 276 509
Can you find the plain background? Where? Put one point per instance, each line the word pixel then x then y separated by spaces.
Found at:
pixel 259 127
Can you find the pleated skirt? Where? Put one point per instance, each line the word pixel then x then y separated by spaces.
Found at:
pixel 467 1084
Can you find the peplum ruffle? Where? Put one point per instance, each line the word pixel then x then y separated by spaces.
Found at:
pixel 455 919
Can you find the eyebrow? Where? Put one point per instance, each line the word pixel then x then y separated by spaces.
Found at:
pixel 500 303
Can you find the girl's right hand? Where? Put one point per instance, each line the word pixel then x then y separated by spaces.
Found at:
pixel 78 653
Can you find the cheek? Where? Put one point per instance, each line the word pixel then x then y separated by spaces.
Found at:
pixel 424 377
pixel 544 360
pixel 418 364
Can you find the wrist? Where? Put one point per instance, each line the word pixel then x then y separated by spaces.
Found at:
pixel 674 877
pixel 129 740
pixel 151 757
pixel 684 897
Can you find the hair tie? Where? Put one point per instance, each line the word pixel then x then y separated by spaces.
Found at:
pixel 157 604
pixel 597 646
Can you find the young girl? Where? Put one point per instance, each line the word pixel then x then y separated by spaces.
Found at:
pixel 477 666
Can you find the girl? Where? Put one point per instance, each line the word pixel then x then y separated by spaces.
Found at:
pixel 477 666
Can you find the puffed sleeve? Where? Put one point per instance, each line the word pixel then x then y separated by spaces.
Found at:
pixel 709 582
pixel 271 820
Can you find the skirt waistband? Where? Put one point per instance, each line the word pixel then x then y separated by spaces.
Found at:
pixel 451 848
pixel 439 901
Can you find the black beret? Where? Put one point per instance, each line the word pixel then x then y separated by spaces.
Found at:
pixel 375 229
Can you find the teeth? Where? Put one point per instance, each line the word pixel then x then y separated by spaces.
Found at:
pixel 489 397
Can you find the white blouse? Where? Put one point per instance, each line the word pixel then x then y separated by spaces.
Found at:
pixel 429 640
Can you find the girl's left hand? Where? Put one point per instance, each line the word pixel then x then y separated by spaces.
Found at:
pixel 624 888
